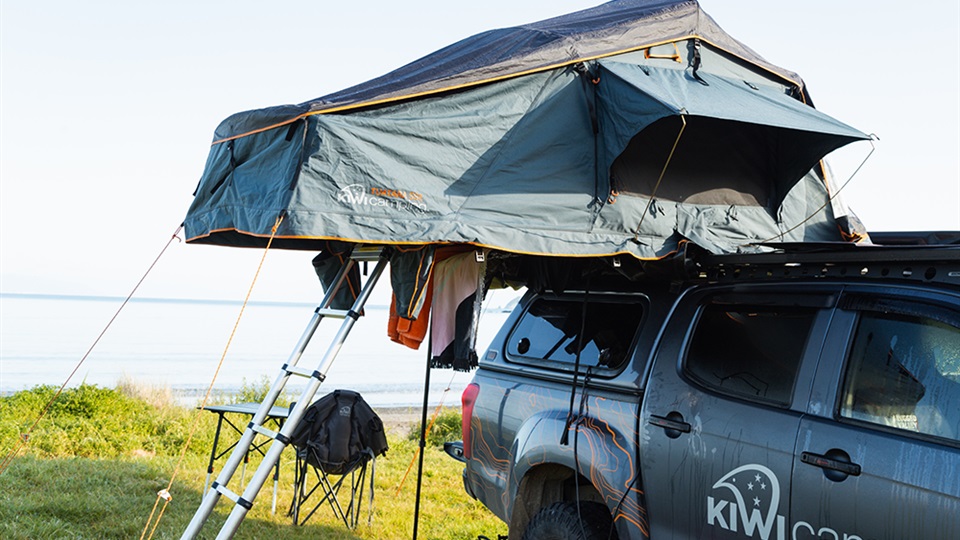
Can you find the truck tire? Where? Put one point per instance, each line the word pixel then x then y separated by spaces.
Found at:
pixel 561 521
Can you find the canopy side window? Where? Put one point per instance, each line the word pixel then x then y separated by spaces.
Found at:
pixel 903 372
pixel 552 330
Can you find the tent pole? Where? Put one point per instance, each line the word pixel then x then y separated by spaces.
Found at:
pixel 423 437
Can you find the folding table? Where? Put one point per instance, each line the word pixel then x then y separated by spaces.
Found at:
pixel 277 414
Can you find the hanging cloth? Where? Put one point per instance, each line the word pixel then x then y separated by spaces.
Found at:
pixel 410 270
pixel 457 297
pixel 328 264
pixel 409 332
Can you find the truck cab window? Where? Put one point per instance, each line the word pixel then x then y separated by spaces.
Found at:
pixel 904 372
pixel 749 352
pixel 550 331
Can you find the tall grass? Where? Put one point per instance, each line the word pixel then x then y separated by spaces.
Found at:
pixel 96 461
pixel 94 422
pixel 156 395
pixel 255 391
pixel 446 427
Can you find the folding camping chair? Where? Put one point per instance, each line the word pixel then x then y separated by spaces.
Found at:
pixel 337 438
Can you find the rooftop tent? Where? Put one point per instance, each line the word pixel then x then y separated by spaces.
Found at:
pixel 520 139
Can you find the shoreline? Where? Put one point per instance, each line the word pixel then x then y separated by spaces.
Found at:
pixel 400 420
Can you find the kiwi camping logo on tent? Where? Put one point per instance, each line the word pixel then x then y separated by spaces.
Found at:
pixel 396 199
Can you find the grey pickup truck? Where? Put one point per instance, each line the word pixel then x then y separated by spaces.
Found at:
pixel 808 393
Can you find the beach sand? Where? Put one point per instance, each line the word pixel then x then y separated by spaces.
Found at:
pixel 399 421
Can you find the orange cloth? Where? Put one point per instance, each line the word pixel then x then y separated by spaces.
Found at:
pixel 410 332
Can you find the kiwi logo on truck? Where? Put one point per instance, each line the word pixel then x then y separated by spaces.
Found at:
pixel 747 503
pixel 753 508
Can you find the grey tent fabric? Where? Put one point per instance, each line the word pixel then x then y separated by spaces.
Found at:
pixel 665 92
pixel 562 161
pixel 758 142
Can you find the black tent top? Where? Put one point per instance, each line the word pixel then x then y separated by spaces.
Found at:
pixel 612 28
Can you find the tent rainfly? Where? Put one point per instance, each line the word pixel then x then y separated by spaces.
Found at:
pixel 622 129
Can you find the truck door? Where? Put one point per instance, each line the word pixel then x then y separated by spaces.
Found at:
pixel 879 455
pixel 730 381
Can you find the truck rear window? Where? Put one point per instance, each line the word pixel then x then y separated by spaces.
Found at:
pixel 750 352
pixel 904 372
pixel 552 330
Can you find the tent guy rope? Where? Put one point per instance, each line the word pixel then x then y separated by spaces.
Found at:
pixel 165 493
pixel 433 420
pixel 24 438
pixel 653 194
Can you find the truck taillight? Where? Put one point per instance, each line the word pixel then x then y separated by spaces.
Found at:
pixel 468 399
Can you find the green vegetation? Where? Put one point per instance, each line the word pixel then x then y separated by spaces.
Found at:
pixel 94 422
pixel 256 391
pixel 447 427
pixel 97 459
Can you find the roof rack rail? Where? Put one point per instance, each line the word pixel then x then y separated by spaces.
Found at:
pixel 917 263
pixel 916 238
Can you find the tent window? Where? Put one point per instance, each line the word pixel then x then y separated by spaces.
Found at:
pixel 716 162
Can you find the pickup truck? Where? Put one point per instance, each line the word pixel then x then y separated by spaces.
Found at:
pixel 808 393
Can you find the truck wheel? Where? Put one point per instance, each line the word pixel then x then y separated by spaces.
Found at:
pixel 561 521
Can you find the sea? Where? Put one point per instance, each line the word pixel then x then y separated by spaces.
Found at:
pixel 178 344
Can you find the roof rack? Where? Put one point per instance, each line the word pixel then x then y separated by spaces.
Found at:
pixel 912 238
pixel 915 262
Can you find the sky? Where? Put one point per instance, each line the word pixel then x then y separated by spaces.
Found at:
pixel 107 110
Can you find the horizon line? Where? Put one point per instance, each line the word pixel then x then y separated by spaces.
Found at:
pixel 158 300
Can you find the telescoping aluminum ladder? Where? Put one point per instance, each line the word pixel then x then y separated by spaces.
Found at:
pixel 244 502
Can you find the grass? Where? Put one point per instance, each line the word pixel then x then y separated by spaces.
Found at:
pixel 96 461
pixel 446 427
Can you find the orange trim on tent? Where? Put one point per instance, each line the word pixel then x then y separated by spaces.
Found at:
pixel 410 243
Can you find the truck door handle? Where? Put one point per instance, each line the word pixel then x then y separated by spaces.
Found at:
pixel 672 424
pixel 835 463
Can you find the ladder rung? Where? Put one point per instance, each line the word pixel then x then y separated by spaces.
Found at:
pixel 366 253
pixel 337 313
pixel 303 372
pixel 269 433
pixel 221 489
